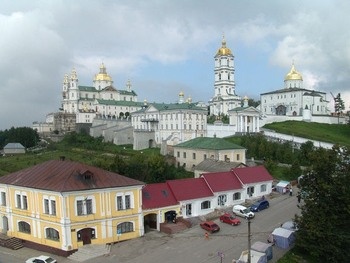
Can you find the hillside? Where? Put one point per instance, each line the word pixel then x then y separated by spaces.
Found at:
pixel 332 133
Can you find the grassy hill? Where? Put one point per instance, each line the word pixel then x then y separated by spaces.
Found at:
pixel 332 133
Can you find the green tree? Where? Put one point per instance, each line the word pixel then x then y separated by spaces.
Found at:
pixel 338 105
pixel 324 224
pixel 23 135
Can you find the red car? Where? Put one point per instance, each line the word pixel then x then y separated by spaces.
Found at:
pixel 210 226
pixel 230 219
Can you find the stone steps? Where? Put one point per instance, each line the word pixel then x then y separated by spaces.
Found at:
pixel 90 251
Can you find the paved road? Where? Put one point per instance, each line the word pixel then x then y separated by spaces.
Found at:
pixel 189 245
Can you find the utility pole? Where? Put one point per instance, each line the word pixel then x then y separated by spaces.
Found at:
pixel 249 259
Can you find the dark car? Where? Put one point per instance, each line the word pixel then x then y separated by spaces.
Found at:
pixel 210 226
pixel 259 205
pixel 230 219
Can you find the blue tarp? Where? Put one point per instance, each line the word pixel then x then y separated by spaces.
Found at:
pixel 283 238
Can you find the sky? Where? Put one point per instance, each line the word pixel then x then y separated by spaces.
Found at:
pixel 164 47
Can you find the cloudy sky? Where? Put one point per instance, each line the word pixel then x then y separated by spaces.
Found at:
pixel 165 47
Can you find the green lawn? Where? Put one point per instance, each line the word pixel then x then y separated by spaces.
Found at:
pixel 332 133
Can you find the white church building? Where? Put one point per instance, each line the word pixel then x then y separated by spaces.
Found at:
pixel 294 102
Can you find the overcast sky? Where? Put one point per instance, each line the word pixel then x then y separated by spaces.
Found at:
pixel 165 47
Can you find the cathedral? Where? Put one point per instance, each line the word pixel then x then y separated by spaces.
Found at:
pixel 293 100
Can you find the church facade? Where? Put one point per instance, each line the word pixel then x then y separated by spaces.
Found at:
pixel 101 100
pixel 294 100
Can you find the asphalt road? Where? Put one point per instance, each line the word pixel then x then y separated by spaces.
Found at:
pixel 191 244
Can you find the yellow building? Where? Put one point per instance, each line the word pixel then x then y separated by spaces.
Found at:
pixel 60 205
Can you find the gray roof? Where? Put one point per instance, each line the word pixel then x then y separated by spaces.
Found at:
pixel 210 165
pixel 209 143
pixel 14 145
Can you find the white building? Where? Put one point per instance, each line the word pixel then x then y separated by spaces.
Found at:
pixel 294 100
pixel 173 123
pixel 101 99
pixel 225 97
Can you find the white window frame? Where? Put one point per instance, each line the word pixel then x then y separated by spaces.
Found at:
pixel 127 201
pixel 49 205
pixel 85 201
pixel 21 200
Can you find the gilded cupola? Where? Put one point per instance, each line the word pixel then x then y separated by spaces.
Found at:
pixel 293 74
pixel 223 51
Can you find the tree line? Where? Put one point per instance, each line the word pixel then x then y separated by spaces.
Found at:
pixel 23 135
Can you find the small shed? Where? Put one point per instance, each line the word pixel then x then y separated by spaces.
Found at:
pixel 264 248
pixel 283 238
pixel 282 187
pixel 290 225
pixel 14 148
pixel 255 257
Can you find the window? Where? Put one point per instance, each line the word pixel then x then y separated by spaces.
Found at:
pixel 205 156
pixel 23 227
pixel 263 188
pixel 184 155
pixel 52 234
pixel 21 201
pixel 119 203
pixel 178 154
pixel 236 196
pixel 205 205
pixel 46 206
pixel 194 156
pixel 238 157
pixel 125 202
pixel 84 207
pixel 125 227
pixel 49 206
pixel 3 198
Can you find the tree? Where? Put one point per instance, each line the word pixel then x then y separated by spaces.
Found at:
pixel 338 105
pixel 324 224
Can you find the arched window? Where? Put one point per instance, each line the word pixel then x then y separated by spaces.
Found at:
pixel 125 227
pixel 52 233
pixel 23 227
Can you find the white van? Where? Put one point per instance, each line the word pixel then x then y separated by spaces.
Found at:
pixel 242 211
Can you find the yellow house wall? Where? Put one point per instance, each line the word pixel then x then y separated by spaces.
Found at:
pixel 104 219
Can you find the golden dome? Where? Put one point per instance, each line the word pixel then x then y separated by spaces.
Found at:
pixel 181 94
pixel 293 74
pixel 223 51
pixel 103 74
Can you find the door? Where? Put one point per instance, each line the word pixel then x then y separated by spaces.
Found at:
pixel 85 235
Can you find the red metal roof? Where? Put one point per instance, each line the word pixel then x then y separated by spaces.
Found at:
pixel 254 174
pixel 157 195
pixel 191 188
pixel 64 176
pixel 222 181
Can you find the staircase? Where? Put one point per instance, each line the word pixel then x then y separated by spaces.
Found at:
pixel 10 242
pixel 171 228
pixel 90 251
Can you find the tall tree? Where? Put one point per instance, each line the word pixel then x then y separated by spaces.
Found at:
pixel 324 224
pixel 338 105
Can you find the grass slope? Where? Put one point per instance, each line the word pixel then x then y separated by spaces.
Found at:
pixel 332 133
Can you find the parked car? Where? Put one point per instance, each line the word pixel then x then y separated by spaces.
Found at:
pixel 210 226
pixel 230 219
pixel 242 211
pixel 41 259
pixel 259 205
